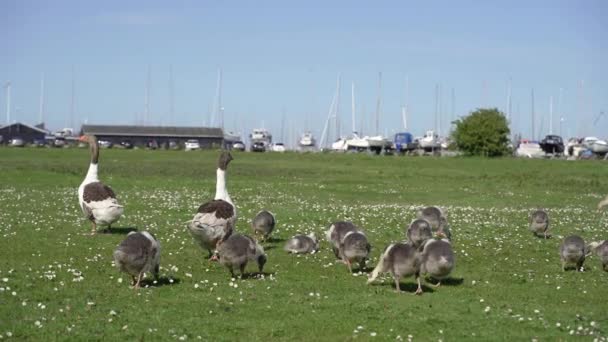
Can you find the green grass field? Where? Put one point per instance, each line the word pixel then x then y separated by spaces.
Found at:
pixel 56 283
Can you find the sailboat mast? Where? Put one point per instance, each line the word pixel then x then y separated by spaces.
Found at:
pixel 171 97
pixel 453 104
pixel 440 111
pixel 8 102
pixel 580 106
pixel 337 111
pixel 551 115
pixel 353 105
pixel 436 106
pixel 72 101
pixel 378 103
pixel 508 109
pixel 41 109
pixel 326 126
pixel 219 98
pixel 559 110
pixel 405 105
pixel 533 120
pixel 147 97
pixel 283 126
pixel 362 122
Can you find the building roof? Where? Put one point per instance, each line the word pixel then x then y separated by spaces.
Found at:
pixel 156 131
pixel 26 125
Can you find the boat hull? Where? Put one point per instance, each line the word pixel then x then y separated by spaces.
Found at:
pixel 600 147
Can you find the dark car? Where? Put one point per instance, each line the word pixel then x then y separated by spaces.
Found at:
pixel 152 144
pixel 404 142
pixel 552 144
pixel 258 147
pixel 39 143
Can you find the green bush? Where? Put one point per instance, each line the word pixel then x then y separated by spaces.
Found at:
pixel 484 132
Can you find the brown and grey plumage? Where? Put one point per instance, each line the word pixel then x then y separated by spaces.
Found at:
pixel 301 244
pixel 401 260
pixel 539 223
pixel 573 251
pixel 418 232
pixel 263 224
pixel 437 259
pixel 603 203
pixel 137 254
pixel 433 215
pixel 336 232
pixel 97 200
pixel 354 248
pixel 238 250
pixel 216 219
pixel 438 220
pixel 601 250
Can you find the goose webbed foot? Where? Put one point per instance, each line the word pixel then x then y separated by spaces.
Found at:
pixel 348 264
pixel 419 289
pixel 138 281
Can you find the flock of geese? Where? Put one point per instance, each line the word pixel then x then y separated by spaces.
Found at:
pixel 426 251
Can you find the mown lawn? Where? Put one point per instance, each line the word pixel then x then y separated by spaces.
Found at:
pixel 56 283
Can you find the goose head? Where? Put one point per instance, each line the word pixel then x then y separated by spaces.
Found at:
pixel 94 147
pixel 224 160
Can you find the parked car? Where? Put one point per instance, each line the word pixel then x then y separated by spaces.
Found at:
pixel 126 144
pixel 59 142
pixel 552 144
pixel 277 147
pixel 258 147
pixel 105 144
pixel 39 143
pixel 16 142
pixel 238 146
pixel 173 145
pixel 404 142
pixel 152 144
pixel 192 144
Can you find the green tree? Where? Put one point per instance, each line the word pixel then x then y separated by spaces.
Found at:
pixel 484 132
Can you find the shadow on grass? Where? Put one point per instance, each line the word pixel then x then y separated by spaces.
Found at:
pixel 412 287
pixel 119 230
pixel 267 248
pixel 404 287
pixel 449 281
pixel 160 282
pixel 576 269
pixel 274 240
pixel 365 269
pixel 256 275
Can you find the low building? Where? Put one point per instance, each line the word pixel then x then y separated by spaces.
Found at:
pixel 19 130
pixel 156 136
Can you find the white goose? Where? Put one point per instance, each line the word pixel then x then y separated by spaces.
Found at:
pixel 97 200
pixel 216 219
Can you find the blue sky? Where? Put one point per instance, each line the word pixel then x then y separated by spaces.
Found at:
pixel 284 57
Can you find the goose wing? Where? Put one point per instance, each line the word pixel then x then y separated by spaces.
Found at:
pixel 217 216
pixel 97 195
